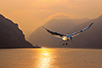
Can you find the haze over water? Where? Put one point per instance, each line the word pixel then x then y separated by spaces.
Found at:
pixel 51 58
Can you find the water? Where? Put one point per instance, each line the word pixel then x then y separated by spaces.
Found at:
pixel 51 58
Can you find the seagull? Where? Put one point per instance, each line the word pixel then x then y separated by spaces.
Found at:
pixel 67 37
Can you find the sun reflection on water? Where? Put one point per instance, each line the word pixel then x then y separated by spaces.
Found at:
pixel 45 58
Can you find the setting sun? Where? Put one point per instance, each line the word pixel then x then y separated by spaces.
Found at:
pixel 44 48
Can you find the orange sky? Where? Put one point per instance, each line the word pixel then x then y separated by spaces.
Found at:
pixel 31 14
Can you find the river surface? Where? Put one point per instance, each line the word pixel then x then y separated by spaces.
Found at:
pixel 51 58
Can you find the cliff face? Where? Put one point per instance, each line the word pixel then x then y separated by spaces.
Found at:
pixel 11 35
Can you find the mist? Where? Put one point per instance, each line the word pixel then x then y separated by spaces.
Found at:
pixel 34 13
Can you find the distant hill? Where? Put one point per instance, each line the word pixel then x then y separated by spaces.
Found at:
pixel 43 38
pixel 91 38
pixel 11 36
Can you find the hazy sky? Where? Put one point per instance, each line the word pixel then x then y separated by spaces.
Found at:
pixel 31 14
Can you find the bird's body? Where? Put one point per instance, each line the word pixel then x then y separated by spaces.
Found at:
pixel 67 37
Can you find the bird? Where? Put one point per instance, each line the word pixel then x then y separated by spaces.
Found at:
pixel 67 37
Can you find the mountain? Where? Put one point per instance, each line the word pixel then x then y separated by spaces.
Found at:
pixel 90 38
pixel 43 38
pixel 11 36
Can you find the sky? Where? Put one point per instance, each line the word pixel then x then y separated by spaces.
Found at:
pixel 31 14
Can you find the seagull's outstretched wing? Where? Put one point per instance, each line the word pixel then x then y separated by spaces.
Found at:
pixel 54 33
pixel 77 33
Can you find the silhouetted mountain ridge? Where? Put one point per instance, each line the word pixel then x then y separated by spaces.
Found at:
pixel 100 17
pixel 88 39
pixel 43 38
pixel 10 35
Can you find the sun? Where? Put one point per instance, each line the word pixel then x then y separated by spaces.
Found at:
pixel 43 48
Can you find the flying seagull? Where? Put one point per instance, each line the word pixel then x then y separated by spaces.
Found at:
pixel 67 37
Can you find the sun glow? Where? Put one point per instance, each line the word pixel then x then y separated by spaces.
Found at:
pixel 45 58
pixel 44 48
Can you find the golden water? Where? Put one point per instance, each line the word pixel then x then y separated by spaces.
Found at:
pixel 51 58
